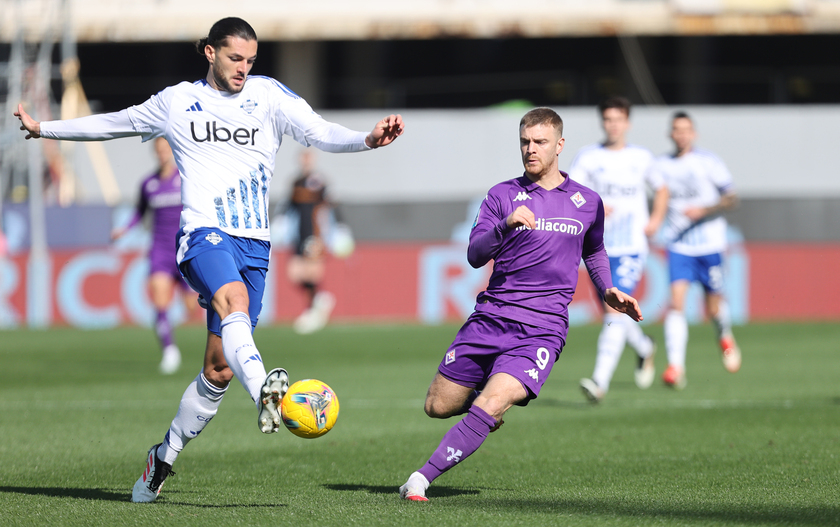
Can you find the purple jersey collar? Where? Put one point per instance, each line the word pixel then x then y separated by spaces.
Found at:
pixel 530 186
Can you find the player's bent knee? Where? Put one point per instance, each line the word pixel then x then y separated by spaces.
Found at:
pixel 438 409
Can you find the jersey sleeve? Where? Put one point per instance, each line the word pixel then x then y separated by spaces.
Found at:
pixel 149 119
pixel 299 121
pixel 488 232
pixel 720 175
pixel 594 254
pixel 578 171
pixel 100 127
pixel 653 175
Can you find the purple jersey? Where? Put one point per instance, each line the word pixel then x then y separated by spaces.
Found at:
pixel 163 198
pixel 535 272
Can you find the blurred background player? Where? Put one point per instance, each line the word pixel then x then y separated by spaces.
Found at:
pixel 308 202
pixel 700 186
pixel 620 173
pixel 160 193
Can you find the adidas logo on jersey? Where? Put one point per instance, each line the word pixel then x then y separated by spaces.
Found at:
pixel 522 196
pixel 195 108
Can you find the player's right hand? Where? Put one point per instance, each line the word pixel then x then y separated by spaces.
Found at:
pixel 28 123
pixel 522 216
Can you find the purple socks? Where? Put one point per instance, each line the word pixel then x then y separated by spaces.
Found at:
pixel 459 442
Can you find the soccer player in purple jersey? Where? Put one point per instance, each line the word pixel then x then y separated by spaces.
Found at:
pixel 160 193
pixel 536 228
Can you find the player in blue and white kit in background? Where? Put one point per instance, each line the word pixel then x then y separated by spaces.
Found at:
pixel 620 173
pixel 224 133
pixel 695 233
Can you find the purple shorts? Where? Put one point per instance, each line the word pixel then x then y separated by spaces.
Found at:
pixel 162 260
pixel 487 345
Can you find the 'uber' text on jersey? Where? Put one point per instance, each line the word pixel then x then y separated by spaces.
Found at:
pixel 240 136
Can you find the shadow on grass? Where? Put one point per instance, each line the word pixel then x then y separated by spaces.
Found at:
pixel 64 492
pixel 122 495
pixel 433 492
pixel 759 513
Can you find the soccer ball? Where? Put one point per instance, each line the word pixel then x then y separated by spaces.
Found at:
pixel 309 409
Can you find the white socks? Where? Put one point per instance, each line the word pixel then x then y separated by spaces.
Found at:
pixel 637 338
pixel 722 321
pixel 676 337
pixel 199 404
pixel 610 346
pixel 418 481
pixel 241 353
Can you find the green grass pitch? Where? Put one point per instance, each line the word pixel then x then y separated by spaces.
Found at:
pixel 79 409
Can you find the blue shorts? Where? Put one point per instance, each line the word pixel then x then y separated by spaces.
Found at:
pixel 627 272
pixel 487 345
pixel 213 259
pixel 706 269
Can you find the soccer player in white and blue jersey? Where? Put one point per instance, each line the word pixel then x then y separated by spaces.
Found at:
pixel 225 131
pixel 695 231
pixel 620 173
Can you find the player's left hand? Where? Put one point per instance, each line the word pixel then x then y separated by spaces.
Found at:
pixel 623 303
pixel 695 213
pixel 652 228
pixel 385 131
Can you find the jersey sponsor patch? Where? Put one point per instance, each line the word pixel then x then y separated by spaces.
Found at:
pixel 578 199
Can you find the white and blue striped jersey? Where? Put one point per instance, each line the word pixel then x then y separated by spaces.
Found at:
pixel 621 178
pixel 225 145
pixel 696 179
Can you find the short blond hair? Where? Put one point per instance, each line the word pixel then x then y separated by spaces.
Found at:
pixel 542 115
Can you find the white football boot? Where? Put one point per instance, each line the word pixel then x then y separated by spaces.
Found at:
pixel 591 390
pixel 148 487
pixel 171 360
pixel 731 354
pixel 316 318
pixel 645 370
pixel 415 488
pixel 273 389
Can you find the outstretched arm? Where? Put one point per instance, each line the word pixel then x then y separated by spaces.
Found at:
pixel 623 303
pixel 385 131
pixel 99 127
pixel 28 123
